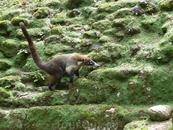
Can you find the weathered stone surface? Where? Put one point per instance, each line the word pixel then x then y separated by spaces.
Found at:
pixel 160 112
pixel 147 125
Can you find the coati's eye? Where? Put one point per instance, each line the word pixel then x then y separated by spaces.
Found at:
pixel 90 62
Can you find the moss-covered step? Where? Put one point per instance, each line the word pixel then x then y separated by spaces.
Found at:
pixel 124 85
pixel 69 117
pixel 31 98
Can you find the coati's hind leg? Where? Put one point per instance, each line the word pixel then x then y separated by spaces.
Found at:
pixel 55 78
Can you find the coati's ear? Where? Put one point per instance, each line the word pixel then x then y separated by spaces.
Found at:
pixel 83 59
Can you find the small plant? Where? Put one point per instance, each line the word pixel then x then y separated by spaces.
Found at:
pixel 38 76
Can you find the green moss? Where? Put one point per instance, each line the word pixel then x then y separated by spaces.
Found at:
pixel 54 4
pixel 52 49
pixel 72 14
pixel 8 81
pixel 4 26
pixel 89 12
pixel 91 34
pixel 108 53
pixel 57 30
pixel 124 86
pixel 21 58
pixel 42 12
pixel 10 44
pixel 17 20
pixel 70 117
pixel 34 32
pixel 166 5
pixel 38 23
pixel 102 24
pixel 152 23
pixel 114 6
pixel 123 22
pixel 59 18
pixel 121 13
pixel 12 71
pixel 52 98
pixel 4 94
pixel 4 64
pixel 169 36
pixel 163 55
pixel 71 4
pixel 9 14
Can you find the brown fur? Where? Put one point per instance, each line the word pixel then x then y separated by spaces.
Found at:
pixel 71 63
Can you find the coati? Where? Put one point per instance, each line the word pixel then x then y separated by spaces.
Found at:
pixel 71 63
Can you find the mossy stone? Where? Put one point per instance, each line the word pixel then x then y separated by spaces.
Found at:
pixel 122 22
pixel 9 14
pixel 166 5
pixel 53 4
pixel 52 49
pixel 169 36
pixel 102 24
pixel 42 12
pixel 38 23
pixel 21 58
pixel 71 4
pixel 91 34
pixel 17 20
pixel 10 47
pixel 8 81
pixel 163 55
pixel 57 30
pixel 114 6
pixel 34 32
pixel 152 23
pixel 121 13
pixel 52 98
pixel 4 24
pixel 4 95
pixel 89 12
pixel 108 53
pixel 4 27
pixel 4 64
pixel 59 18
pixel 73 13
pixel 52 39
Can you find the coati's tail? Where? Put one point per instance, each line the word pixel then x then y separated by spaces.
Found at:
pixel 32 48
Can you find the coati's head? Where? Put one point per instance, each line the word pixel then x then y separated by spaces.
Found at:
pixel 85 61
pixel 88 62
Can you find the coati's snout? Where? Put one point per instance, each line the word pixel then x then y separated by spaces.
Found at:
pixel 92 63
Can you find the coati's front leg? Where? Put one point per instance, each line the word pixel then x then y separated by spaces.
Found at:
pixel 77 73
pixel 71 71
